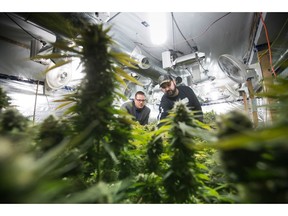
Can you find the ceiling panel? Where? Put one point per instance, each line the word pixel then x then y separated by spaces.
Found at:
pixel 238 34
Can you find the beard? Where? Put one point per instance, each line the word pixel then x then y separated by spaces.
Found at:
pixel 171 93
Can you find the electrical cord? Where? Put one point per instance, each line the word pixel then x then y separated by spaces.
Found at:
pixel 275 38
pixel 43 42
pixel 211 25
pixel 268 42
pixel 174 20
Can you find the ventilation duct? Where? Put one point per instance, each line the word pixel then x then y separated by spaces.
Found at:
pixel 146 68
pixel 143 60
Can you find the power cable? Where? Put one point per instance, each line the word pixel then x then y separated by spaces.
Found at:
pixel 200 35
pixel 174 20
pixel 275 38
pixel 212 25
pixel 268 42
pixel 113 17
pixel 43 42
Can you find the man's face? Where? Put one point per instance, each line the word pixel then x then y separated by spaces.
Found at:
pixel 140 101
pixel 169 88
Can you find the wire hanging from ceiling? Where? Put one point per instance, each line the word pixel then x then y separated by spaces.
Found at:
pixel 173 35
pixel 268 43
pixel 43 42
pixel 201 34
pixel 211 25
pixel 149 53
pixel 193 49
pixel 174 20
pixel 274 41
pixel 113 17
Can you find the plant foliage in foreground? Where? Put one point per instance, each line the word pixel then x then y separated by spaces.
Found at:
pixel 96 154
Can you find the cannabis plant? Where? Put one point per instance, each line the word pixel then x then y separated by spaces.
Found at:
pixel 4 99
pixel 51 132
pixel 72 165
pixel 256 159
pixel 93 101
pixel 184 180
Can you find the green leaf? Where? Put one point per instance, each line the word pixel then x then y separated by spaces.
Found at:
pixel 202 176
pixel 58 64
pixel 63 105
pixel 127 76
pixel 211 192
pixel 201 166
pixel 120 80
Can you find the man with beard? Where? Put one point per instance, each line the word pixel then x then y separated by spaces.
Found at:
pixel 173 93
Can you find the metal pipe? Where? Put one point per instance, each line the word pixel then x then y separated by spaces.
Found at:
pixel 281 60
pixel 34 113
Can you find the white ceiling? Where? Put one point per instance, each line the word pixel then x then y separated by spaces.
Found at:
pixel 213 34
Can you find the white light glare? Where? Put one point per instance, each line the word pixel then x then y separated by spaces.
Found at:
pixel 158 27
pixel 214 95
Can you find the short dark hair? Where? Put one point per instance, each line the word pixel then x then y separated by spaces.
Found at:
pixel 140 93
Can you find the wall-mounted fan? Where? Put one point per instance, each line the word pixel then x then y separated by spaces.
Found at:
pixel 233 68
pixel 58 77
pixel 236 70
pixel 241 74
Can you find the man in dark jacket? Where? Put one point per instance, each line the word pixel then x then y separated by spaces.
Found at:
pixel 137 108
pixel 173 93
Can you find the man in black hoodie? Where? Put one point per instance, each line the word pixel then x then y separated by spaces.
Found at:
pixel 137 108
pixel 173 93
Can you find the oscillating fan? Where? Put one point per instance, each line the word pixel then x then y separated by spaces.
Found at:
pixel 236 70
pixel 240 73
pixel 233 68
pixel 58 77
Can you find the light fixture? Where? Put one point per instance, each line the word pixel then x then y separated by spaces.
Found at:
pixel 158 27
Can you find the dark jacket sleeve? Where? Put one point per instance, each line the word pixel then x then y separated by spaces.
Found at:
pixel 194 103
pixel 145 116
pixel 165 106
pixel 128 106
